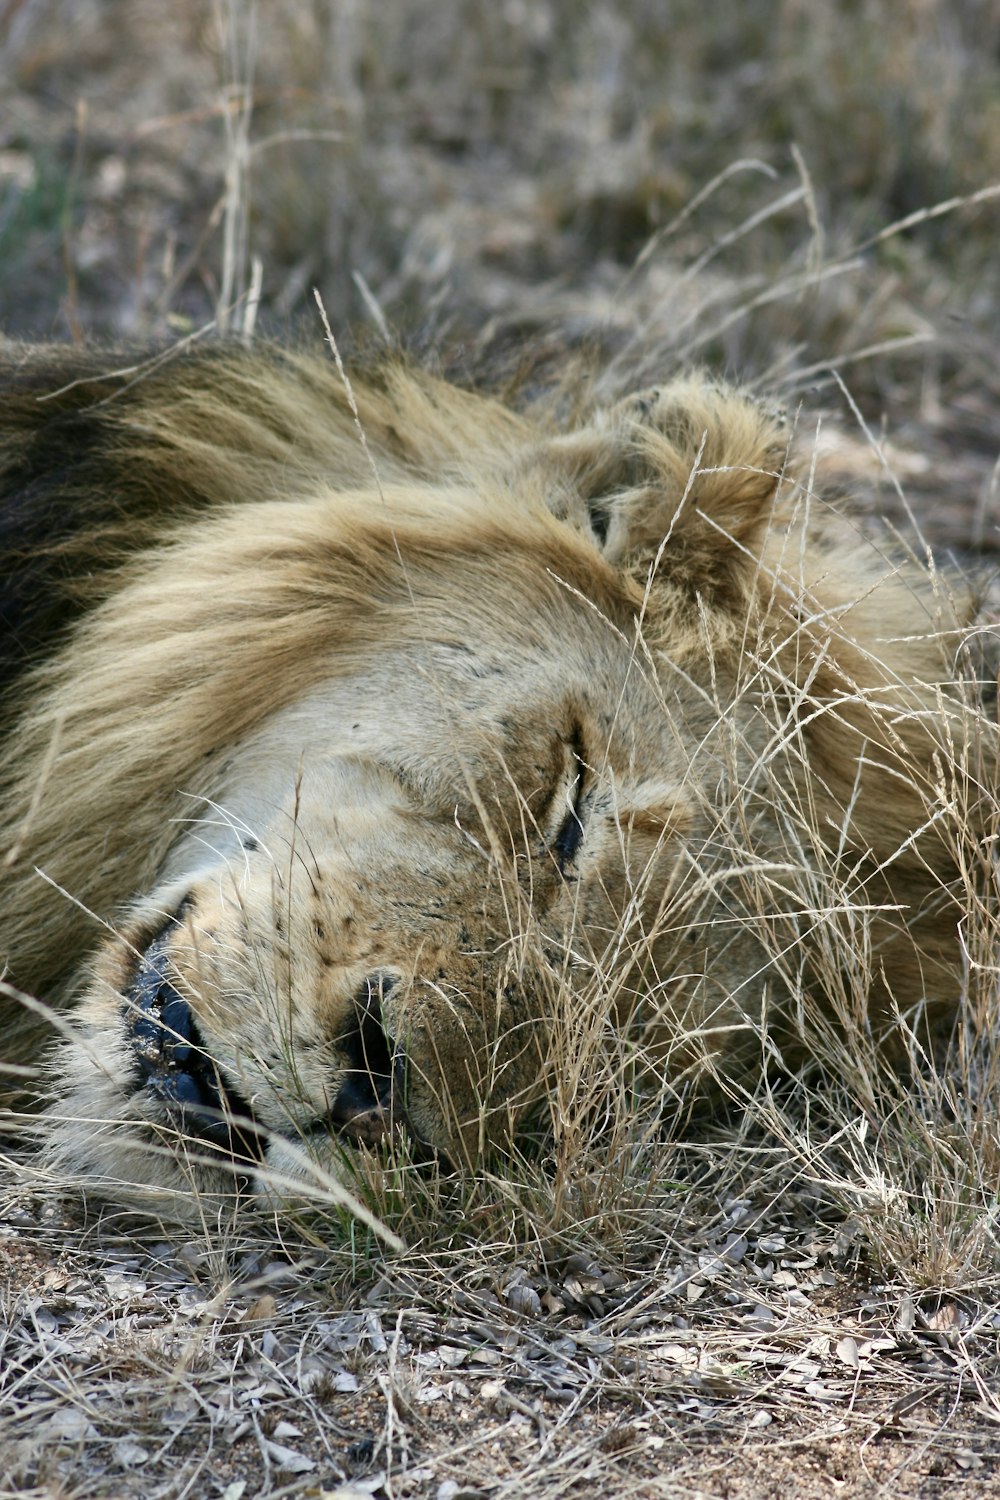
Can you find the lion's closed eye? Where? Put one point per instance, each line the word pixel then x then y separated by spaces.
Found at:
pixel 569 834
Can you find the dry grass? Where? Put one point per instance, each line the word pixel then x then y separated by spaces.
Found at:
pixel 802 1290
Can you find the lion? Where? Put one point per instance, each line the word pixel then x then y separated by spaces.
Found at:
pixel 353 721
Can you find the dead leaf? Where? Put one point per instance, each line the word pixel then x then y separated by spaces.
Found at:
pixel 129 1455
pixel 523 1299
pixel 947 1319
pixel 847 1351
pixel 286 1430
pixel 265 1307
pixel 906 1315
pixel 771 1244
pixel 734 1249
pixel 583 1265
pixel 70 1426
pixel 287 1460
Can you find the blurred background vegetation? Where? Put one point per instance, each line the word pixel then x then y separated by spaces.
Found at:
pixel 759 188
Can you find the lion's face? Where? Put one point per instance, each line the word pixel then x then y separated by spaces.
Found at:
pixel 366 927
pixel 398 772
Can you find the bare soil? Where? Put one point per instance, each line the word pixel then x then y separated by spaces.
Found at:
pixel 760 1364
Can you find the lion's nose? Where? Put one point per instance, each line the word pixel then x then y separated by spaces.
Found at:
pixel 363 1105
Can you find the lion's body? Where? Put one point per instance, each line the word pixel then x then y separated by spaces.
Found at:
pixel 329 761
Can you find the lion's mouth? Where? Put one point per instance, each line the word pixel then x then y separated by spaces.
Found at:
pixel 174 1065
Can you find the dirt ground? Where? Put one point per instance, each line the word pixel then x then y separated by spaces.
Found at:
pixel 797 197
pixel 741 1363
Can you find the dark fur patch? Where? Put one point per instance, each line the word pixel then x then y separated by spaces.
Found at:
pixel 79 496
pixel 70 512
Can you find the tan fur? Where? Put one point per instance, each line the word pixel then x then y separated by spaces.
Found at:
pixel 387 671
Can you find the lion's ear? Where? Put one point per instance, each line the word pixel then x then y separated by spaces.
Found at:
pixel 685 475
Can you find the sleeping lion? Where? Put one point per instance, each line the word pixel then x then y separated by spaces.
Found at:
pixel 355 727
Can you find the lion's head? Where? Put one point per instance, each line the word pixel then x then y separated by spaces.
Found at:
pixel 398 751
